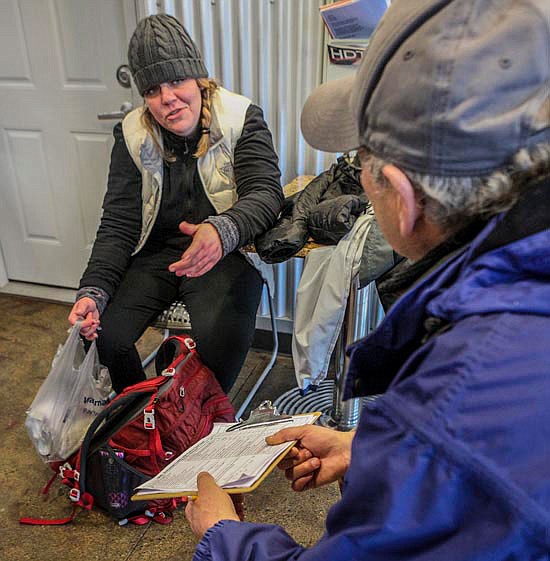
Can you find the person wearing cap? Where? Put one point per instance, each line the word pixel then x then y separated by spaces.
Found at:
pixel 193 178
pixel 450 111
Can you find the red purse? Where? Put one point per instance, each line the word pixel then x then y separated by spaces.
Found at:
pixel 140 432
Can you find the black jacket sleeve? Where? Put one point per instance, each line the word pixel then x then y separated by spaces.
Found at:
pixel 318 205
pixel 333 218
pixel 290 232
pixel 120 226
pixel 258 179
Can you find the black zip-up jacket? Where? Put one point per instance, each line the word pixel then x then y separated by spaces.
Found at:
pixel 260 199
pixel 326 210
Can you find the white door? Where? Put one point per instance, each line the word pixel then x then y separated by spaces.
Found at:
pixel 58 63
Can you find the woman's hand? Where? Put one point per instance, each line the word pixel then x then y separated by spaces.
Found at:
pixel 203 253
pixel 212 505
pixel 85 310
pixel 319 457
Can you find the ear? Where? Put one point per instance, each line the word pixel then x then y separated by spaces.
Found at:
pixel 408 211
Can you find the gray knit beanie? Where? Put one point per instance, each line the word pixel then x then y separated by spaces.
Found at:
pixel 161 50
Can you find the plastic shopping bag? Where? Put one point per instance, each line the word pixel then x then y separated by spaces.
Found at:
pixel 72 395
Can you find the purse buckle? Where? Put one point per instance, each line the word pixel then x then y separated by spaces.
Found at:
pixel 149 419
pixel 189 343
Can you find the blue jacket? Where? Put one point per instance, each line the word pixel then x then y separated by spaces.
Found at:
pixel 452 463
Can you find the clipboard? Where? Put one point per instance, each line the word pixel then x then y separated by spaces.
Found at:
pixel 261 475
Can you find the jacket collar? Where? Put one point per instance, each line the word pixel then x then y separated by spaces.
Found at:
pixel 181 146
pixel 216 130
pixel 531 214
pixel 148 152
pixel 406 273
pixel 150 155
pixel 226 111
pixel 519 237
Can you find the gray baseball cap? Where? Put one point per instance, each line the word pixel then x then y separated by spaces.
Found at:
pixel 447 87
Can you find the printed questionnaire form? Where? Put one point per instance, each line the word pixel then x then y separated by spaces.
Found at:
pixel 237 460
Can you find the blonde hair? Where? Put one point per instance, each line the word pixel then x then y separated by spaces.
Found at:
pixel 207 87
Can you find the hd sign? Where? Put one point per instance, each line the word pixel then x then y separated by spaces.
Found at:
pixel 344 55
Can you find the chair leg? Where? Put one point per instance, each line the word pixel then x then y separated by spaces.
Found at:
pixel 152 356
pixel 271 362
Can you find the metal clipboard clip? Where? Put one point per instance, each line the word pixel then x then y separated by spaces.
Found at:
pixel 265 414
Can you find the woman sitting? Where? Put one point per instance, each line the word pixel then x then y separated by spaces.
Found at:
pixel 193 177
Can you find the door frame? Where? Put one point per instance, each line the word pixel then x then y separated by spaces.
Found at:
pixel 131 9
pixel 3 270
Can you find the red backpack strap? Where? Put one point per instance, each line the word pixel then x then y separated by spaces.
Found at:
pixel 85 501
pixel 151 385
pixel 172 352
pixel 154 449
pixel 71 476
pixel 46 488
pixel 52 521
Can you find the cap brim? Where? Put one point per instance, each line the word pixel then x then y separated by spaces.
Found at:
pixel 328 121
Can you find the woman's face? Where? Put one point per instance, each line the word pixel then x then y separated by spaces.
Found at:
pixel 176 105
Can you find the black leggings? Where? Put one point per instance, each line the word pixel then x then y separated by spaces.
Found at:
pixel 222 305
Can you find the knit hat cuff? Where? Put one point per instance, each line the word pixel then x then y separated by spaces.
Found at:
pixel 168 70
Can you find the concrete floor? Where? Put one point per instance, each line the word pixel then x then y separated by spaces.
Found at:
pixel 30 331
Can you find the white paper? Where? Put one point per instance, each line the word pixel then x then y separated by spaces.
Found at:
pixel 234 459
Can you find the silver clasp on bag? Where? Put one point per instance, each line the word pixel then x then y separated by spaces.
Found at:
pixel 66 471
pixel 265 414
pixel 189 343
pixel 149 419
